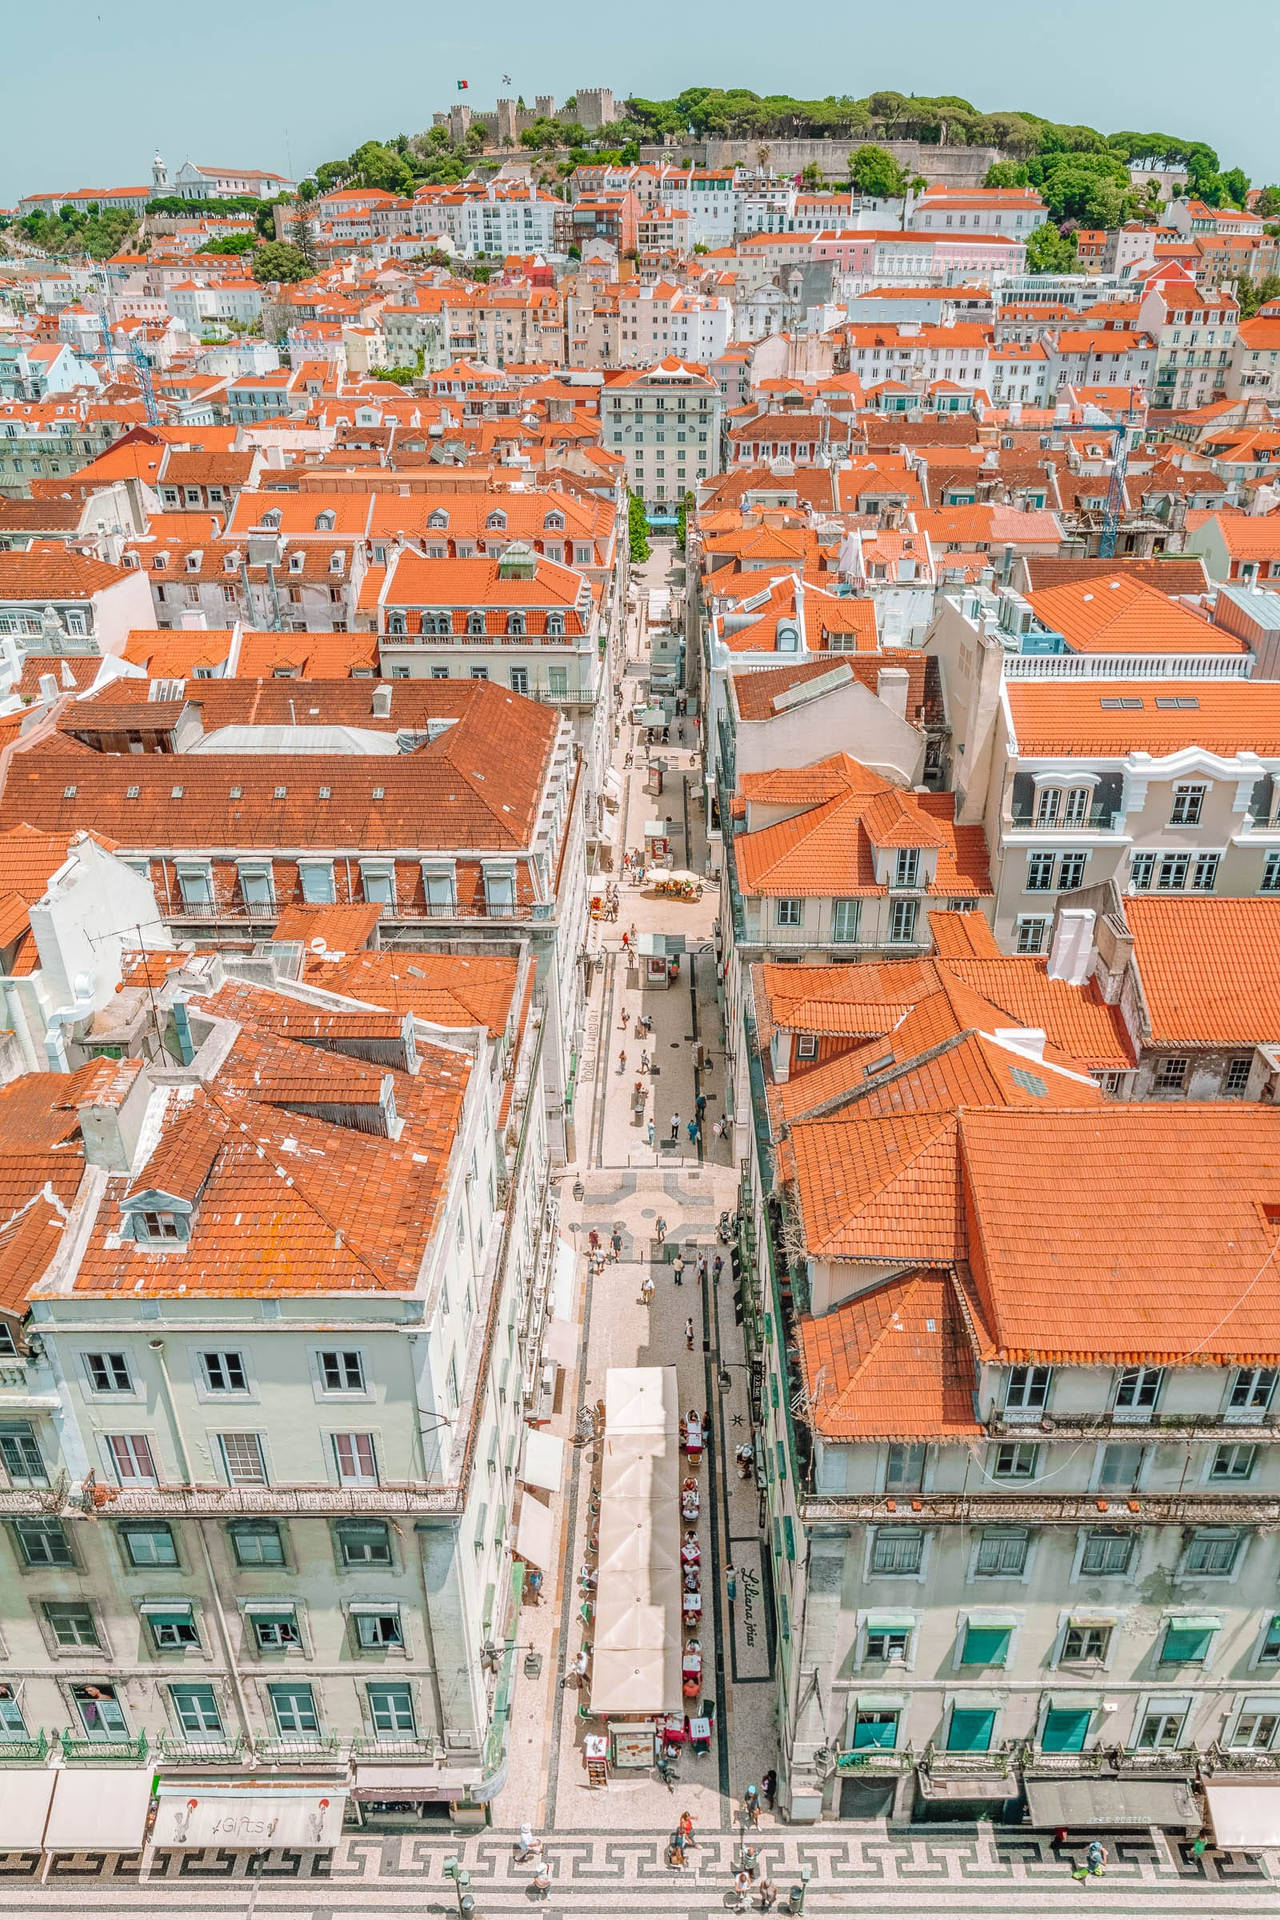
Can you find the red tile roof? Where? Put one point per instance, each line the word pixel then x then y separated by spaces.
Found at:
pixel 1210 969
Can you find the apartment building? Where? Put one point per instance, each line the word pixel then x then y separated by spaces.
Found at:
pixel 264 1549
pixel 1019 1546
pixel 454 807
pixel 53 600
pixel 1138 753
pixel 665 422
pixel 663 322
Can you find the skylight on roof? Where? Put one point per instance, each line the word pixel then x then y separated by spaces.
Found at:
pixel 1116 704
pixel 1029 1082
pixel 236 793
pixel 1181 700
pixel 280 792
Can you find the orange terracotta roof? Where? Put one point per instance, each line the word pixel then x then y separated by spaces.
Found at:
pixel 1123 615
pixel 1210 969
pixel 1119 717
pixel 341 929
pixel 897 1361
pixel 447 989
pixel 1161 1245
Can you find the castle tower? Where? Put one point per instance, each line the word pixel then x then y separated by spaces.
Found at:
pixel 159 175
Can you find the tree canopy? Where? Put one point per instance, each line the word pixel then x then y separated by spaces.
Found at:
pixel 277 260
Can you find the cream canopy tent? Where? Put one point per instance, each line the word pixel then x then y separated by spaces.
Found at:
pixel 636 1664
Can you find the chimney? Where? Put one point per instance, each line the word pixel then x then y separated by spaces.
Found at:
pixel 48 687
pixel 1072 948
pixel 382 703
pixel 891 689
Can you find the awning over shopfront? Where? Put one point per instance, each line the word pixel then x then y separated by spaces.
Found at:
pixel 25 1793
pixel 98 1808
pixel 536 1534
pixel 968 1786
pixel 248 1813
pixel 1244 1813
pixel 1104 1801
pixel 543 1463
pixel 384 1782
pixel 560 1342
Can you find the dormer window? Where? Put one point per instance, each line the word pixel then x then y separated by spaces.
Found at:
pixel 326 521
pixel 159 561
pixel 496 522
pixel 553 523
pixel 437 519
pixel 271 518
pixel 475 623
pixel 906 867
pixel 193 561
pixel 159 1229
pixel 436 623
pixel 395 623
pixel 230 563
pixel 297 561
pixel 515 624
pixel 555 626
pixel 336 562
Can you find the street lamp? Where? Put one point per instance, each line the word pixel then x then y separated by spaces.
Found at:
pixel 461 1881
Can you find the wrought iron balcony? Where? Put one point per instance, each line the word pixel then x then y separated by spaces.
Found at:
pixel 79 1749
pixel 29 1752
pixel 366 1746
pixel 297 1746
pixel 224 1750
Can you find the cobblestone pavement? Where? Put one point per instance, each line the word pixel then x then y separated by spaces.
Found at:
pixel 975 1872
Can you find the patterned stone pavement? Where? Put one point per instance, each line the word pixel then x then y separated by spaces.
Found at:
pixel 868 1873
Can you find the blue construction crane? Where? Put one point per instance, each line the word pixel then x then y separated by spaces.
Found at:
pixel 1115 492
pixel 142 366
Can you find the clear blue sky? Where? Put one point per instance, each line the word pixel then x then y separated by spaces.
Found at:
pixel 283 84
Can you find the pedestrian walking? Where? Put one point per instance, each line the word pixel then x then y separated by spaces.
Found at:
pixel 751 1805
pixel 688 1335
pixel 542 1882
pixel 769 1788
pixel 701 1104
pixel 644 1060
pixel 529 1848
pixel 593 1241
pixel 615 1241
pixel 722 1127
pixel 695 1132
pixel 702 1269
pixel 622 1021
pixel 768 1894
pixel 646 1290
pixel 660 1228
pixel 677 1269
pixel 717 1268
pixel 649 1130
pixel 675 1127
pixel 742 1887
pixel 731 1583
pixel 684 1827
pixel 1094 1862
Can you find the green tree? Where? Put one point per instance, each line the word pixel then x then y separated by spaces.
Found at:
pixel 1268 203
pixel 873 170
pixel 277 260
pixel 1049 251
pixel 813 176
pixel 1004 173
pixel 682 520
pixel 307 190
pixel 233 243
pixel 638 530
pixel 1253 297
pixel 302 234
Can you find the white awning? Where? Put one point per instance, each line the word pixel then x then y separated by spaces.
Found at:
pixel 536 1534
pixel 24 1808
pixel 98 1808
pixel 613 783
pixel 377 1782
pixel 565 1282
pixel 560 1342
pixel 1245 1813
pixel 636 1681
pixel 250 1813
pixel 641 1400
pixel 543 1463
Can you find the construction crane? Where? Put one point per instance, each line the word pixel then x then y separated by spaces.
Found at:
pixel 1115 493
pixel 142 367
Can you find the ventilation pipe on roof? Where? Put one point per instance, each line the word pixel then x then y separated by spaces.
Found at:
pixel 381 708
pixel 1072 949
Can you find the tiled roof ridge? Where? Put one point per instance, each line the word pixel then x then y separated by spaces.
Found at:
pixel 910 1282
pixel 929 1136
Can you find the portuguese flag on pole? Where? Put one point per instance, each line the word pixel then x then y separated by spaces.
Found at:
pixel 463 85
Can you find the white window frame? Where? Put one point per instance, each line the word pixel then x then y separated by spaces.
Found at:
pixel 920 1573
pixel 224 1459
pixel 1133 1540
pixel 361 1392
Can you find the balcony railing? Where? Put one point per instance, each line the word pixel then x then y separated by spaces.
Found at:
pixel 297 1746
pixel 79 1749
pixel 396 1747
pixel 217 1750
pixel 1097 820
pixel 265 915
pixel 29 1752
pixel 1239 1508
